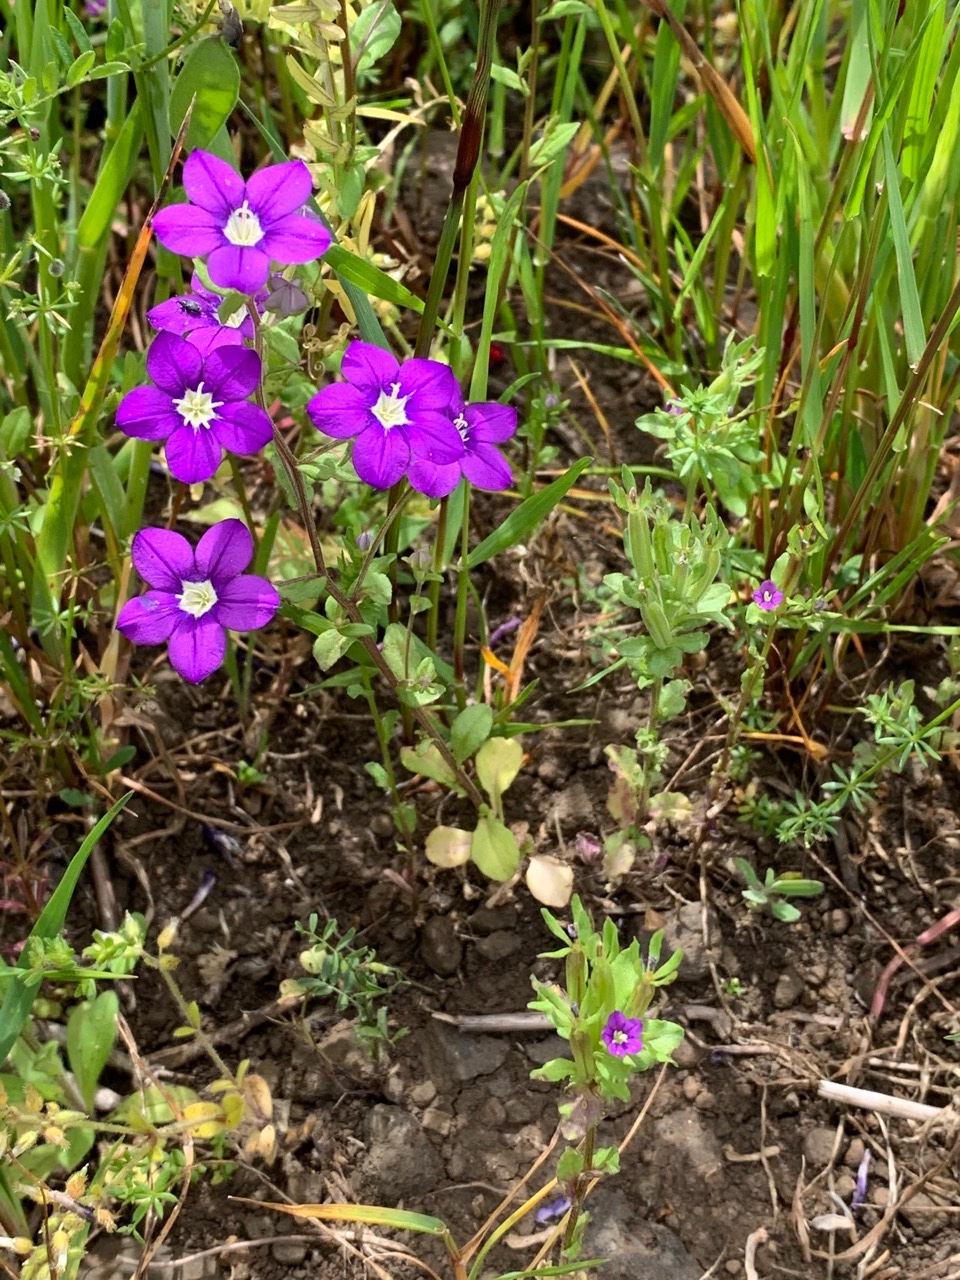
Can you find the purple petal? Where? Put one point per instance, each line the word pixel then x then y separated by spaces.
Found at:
pixel 242 427
pixel 174 364
pixel 208 338
pixel 181 315
pixel 435 482
pixel 370 368
pixel 280 189
pixel 428 383
pixel 197 647
pixel 485 467
pixel 224 551
pixel 241 267
pixel 162 558
pixel 340 410
pixel 183 228
pixel 490 421
pixel 213 184
pixel 231 373
pixel 246 603
pixel 150 618
pixel 380 457
pixel 193 453
pixel 296 238
pixel 434 438
pixel 147 413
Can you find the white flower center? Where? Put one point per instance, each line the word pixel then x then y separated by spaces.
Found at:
pixel 197 407
pixel 389 410
pixel 197 598
pixel 463 426
pixel 620 1037
pixel 243 227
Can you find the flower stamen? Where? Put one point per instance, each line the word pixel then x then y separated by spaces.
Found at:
pixel 197 407
pixel 243 228
pixel 197 598
pixel 389 410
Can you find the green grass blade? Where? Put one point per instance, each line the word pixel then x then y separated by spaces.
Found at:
pixel 913 326
pixel 20 995
pixel 527 516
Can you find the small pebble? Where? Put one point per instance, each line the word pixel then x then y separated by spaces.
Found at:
pixel 818 1147
pixel 422 1094
pixel 733 1266
pixel 705 1101
pixel 436 1121
pixel 788 990
pixel 440 947
pixel 288 1251
pixel 499 945
pixel 691 1087
pixel 837 922
pixel 845 1185
pixel 854 1153
pixel 381 824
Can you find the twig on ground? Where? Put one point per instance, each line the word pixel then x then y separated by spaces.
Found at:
pixel 754 1240
pixel 882 1103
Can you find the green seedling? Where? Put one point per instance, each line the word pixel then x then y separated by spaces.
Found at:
pixel 772 893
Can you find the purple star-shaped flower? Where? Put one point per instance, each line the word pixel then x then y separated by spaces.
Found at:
pixel 481 426
pixel 199 406
pixel 399 413
pixel 195 316
pixel 768 595
pixel 622 1035
pixel 242 226
pixel 196 595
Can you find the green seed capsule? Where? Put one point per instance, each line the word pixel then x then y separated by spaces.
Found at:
pixel 655 620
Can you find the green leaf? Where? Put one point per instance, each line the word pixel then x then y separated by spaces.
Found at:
pixel 530 513
pixel 470 731
pixel 19 996
pixel 494 849
pixel 374 32
pixel 498 763
pixel 556 1069
pixel 210 71
pixel 374 282
pixel 78 29
pixel 570 1164
pixel 330 647
pixel 91 1035
pixel 79 68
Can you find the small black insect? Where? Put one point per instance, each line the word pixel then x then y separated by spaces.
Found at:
pixel 191 308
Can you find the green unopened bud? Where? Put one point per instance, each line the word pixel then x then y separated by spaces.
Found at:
pixel 655 620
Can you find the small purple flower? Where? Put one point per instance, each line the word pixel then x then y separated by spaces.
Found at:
pixel 285 298
pixel 95 8
pixel 622 1035
pixel 399 413
pixel 199 406
pixel 552 1211
pixel 197 595
pixel 195 316
pixel 481 427
pixel 768 595
pixel 243 226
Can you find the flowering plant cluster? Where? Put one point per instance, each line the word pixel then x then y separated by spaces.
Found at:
pixel 406 419
pixel 601 1010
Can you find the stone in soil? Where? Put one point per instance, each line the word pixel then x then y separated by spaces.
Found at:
pixel 449 1054
pixel 440 948
pixel 818 1147
pixel 633 1246
pixel 685 930
pixel 400 1161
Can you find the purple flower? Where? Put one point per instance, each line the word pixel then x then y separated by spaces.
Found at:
pixel 481 427
pixel 243 226
pixel 398 412
pixel 196 595
pixel 195 316
pixel 768 595
pixel 95 8
pixel 199 406
pixel 622 1035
